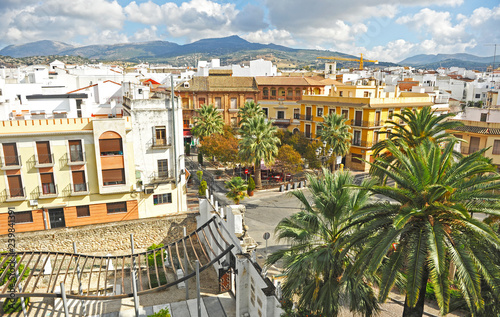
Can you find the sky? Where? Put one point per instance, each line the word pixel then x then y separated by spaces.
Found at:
pixel 387 30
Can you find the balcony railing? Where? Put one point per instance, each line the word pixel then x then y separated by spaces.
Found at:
pixel 362 143
pixel 80 188
pixel 361 123
pixel 281 121
pixel 77 157
pixel 296 116
pixel 162 177
pixel 16 193
pixel 308 117
pixel 468 149
pixel 160 143
pixel 48 189
pixel 10 162
pixel 44 160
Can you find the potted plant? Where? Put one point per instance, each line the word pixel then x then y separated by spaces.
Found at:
pixel 218 174
pixel 203 184
pixel 251 186
pixel 237 189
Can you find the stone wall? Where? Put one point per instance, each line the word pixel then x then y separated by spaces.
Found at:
pixel 105 238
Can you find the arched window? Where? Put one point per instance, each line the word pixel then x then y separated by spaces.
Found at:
pixel 111 150
pixel 110 143
pixel 265 91
pixel 297 92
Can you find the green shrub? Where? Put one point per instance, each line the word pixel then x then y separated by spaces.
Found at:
pixel 11 305
pixel 251 184
pixel 199 174
pixel 203 188
pixel 162 313
pixel 200 158
pixel 157 255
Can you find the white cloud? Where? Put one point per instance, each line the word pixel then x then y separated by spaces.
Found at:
pixel 144 35
pixel 280 37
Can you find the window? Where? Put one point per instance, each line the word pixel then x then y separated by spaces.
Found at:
pixel 185 103
pixel 345 113
pixel 478 96
pixel 24 216
pixel 82 211
pixel 10 154
pixel 139 91
pixel 249 100
pixel 75 151
pixel 319 127
pixel 163 168
pixel 296 113
pixel 281 92
pixel 273 92
pixel 201 101
pixel 48 185
pixel 391 113
pixel 160 136
pixel 319 111
pixel 341 93
pixel 234 103
pixel 297 92
pixel 356 158
pixel 375 136
pixel 265 112
pixel 289 92
pixel 43 151
pixel 113 177
pixel 110 147
pixel 357 138
pixel 496 147
pixel 265 92
pixel 234 122
pixel 280 114
pixel 162 199
pixel 116 207
pixel 79 108
pixel 218 102
pixel 366 94
pixel 15 186
pixel 484 116
pixel 331 111
pixel 79 184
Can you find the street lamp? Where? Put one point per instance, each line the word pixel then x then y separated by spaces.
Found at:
pixel 322 153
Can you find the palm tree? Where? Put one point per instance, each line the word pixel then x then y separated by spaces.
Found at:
pixel 413 128
pixel 430 227
pixel 237 189
pixel 314 264
pixel 258 142
pixel 335 133
pixel 207 122
pixel 249 110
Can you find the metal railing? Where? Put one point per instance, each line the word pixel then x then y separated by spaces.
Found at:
pixel 161 142
pixel 362 123
pixel 78 188
pixel 162 177
pixel 16 193
pixel 296 116
pixel 44 159
pixel 468 149
pixel 308 117
pixel 10 161
pixel 48 189
pixel 77 157
pixel 362 143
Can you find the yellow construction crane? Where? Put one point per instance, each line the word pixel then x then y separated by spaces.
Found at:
pixel 350 59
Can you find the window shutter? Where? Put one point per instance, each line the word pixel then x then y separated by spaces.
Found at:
pixel 43 148
pixel 47 178
pixel 116 175
pixel 9 149
pixel 78 177
pixel 110 145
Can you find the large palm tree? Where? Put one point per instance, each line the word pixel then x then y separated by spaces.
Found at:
pixel 429 226
pixel 314 264
pixel 258 142
pixel 207 122
pixel 249 110
pixel 412 128
pixel 237 189
pixel 335 132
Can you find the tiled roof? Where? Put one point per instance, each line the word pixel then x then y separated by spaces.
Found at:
pixel 220 83
pixel 287 81
pixel 479 130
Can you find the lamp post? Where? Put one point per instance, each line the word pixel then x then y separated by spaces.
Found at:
pixel 323 154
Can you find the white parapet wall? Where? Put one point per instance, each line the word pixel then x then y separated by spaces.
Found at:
pixel 255 295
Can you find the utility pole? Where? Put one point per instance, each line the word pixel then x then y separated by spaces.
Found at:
pixel 494 54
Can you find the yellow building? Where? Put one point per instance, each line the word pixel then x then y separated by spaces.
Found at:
pixel 367 107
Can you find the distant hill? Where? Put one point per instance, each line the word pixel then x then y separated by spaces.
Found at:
pixel 447 60
pixel 39 48
pixel 231 50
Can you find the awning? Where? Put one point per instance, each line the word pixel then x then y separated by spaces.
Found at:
pixel 187 133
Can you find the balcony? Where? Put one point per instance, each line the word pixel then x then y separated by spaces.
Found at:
pixel 362 143
pixel 308 117
pixel 296 116
pixel 281 121
pixel 15 194
pixel 48 190
pixel 44 160
pixel 80 189
pixel 161 143
pixel 468 149
pixel 10 162
pixel 367 124
pixel 77 158
pixel 162 177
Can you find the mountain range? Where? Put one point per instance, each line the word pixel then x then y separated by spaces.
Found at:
pixel 232 49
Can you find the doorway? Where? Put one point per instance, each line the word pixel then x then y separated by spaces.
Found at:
pixel 56 217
